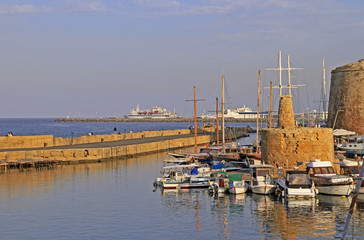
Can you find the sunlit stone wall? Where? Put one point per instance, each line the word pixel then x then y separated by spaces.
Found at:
pixel 347 97
pixel 287 144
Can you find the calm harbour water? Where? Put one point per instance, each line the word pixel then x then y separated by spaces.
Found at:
pixel 116 200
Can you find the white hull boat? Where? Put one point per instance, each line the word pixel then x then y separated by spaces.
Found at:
pixel 327 181
pixel 296 184
pixel 265 189
pixel 340 190
pixel 262 182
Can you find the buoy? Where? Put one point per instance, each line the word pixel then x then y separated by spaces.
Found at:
pixel 343 196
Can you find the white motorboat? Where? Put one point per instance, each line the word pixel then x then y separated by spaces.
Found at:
pixel 352 169
pixel 262 182
pixel 237 183
pixel 181 172
pixel 187 183
pixel 327 181
pixel 354 146
pixel 296 184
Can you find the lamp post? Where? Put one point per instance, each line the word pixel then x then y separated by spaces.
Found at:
pixel 304 116
pixel 337 112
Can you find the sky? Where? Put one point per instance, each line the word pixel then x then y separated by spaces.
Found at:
pixel 101 58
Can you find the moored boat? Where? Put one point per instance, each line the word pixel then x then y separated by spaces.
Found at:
pixel 352 169
pixel 327 181
pixel 262 181
pixel 237 183
pixel 296 184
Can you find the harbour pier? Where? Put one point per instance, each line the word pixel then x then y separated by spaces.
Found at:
pixel 20 152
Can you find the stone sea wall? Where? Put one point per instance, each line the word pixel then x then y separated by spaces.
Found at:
pixel 98 154
pixel 11 142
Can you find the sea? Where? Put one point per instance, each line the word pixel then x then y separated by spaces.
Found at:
pixel 117 200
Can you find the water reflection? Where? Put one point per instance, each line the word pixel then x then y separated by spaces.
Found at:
pixel 321 217
pixel 115 199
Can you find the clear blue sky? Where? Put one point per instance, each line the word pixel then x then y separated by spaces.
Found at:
pixel 101 58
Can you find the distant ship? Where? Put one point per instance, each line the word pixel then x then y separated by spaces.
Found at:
pixel 238 113
pixel 155 112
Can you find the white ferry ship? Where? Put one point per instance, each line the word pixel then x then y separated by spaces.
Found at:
pixel 155 112
pixel 238 113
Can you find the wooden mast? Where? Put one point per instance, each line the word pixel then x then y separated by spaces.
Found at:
pixel 257 141
pixel 323 88
pixel 217 121
pixel 194 103
pixel 222 112
pixel 270 105
pixel 195 113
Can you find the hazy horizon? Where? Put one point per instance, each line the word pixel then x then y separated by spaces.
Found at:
pixel 101 58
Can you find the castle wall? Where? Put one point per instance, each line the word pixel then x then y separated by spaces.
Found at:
pixel 347 94
pixel 285 147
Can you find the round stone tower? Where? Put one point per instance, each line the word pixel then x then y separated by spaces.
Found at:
pixel 285 114
pixel 346 103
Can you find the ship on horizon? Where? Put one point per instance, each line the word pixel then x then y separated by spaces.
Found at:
pixel 155 112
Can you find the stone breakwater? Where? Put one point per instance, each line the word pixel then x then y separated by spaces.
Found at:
pixel 98 147
pixel 191 120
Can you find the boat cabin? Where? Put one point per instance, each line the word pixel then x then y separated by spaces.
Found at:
pixel 261 170
pixel 351 168
pixel 316 168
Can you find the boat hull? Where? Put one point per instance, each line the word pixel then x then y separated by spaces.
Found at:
pixel 183 185
pixel 263 189
pixel 238 190
pixel 300 192
pixel 339 190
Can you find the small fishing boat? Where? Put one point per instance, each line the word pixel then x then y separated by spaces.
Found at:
pixel 237 183
pixel 262 180
pixel 296 184
pixel 180 172
pixel 327 181
pixel 221 183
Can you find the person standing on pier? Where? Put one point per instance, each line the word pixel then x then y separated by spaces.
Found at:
pixel 115 130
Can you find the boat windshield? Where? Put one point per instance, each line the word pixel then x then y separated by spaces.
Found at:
pixel 354 170
pixel 323 170
pixel 298 179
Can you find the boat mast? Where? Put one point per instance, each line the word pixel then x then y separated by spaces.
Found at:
pixel 270 105
pixel 217 121
pixel 194 103
pixel 195 113
pixel 257 141
pixel 288 69
pixel 222 111
pixel 289 76
pixel 323 88
pixel 280 72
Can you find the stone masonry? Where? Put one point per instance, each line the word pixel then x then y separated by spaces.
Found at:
pixel 347 97
pixel 286 114
pixel 286 145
